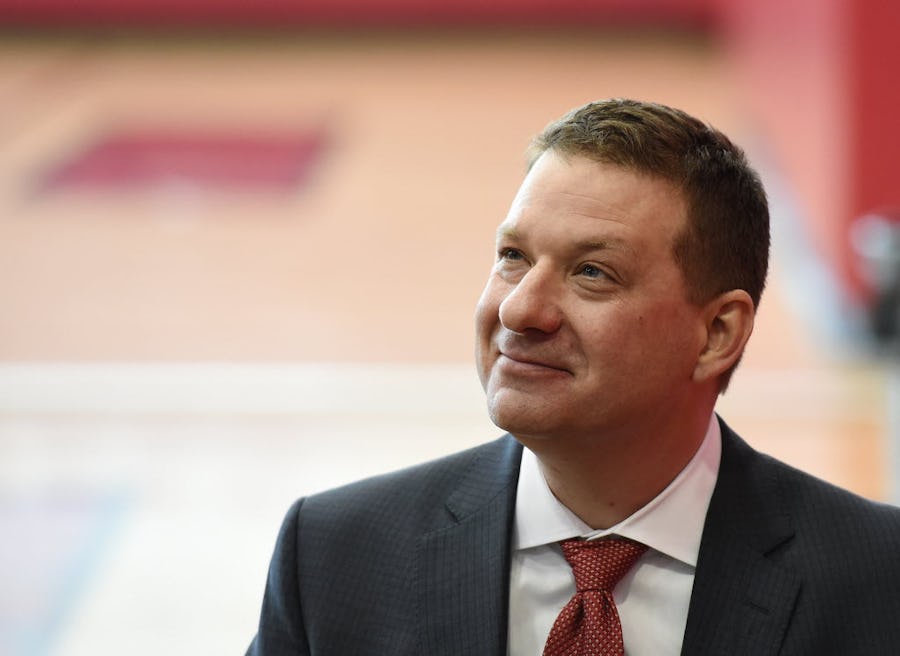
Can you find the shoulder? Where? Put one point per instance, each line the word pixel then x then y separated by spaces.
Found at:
pixel 802 549
pixel 416 495
pixel 823 517
pixel 810 498
pixel 432 477
pixel 829 520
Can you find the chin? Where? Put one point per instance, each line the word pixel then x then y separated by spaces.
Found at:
pixel 504 417
pixel 522 421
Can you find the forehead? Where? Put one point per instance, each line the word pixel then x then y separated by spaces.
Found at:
pixel 580 195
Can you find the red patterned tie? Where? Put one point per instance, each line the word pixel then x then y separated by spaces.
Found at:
pixel 589 624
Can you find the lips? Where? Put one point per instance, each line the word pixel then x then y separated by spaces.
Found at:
pixel 531 354
pixel 529 360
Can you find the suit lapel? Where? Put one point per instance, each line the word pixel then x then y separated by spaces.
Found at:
pixel 742 600
pixel 463 565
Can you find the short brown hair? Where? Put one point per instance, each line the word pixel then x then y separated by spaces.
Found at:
pixel 725 244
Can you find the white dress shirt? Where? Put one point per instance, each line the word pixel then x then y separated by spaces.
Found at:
pixel 653 598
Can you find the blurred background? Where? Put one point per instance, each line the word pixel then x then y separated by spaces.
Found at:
pixel 241 244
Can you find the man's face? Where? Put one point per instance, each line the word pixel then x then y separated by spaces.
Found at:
pixel 584 327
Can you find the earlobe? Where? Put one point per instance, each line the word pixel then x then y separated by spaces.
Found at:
pixel 729 322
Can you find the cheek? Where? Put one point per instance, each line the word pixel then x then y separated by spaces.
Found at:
pixel 485 320
pixel 487 311
pixel 669 336
pixel 487 324
pixel 636 339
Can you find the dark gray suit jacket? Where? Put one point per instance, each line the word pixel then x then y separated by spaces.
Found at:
pixel 417 562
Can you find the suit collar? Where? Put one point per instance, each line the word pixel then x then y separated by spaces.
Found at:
pixel 671 523
pixel 463 564
pixel 742 599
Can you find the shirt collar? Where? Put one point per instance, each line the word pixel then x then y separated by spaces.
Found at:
pixel 671 523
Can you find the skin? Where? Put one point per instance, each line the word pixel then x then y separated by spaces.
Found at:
pixel 588 349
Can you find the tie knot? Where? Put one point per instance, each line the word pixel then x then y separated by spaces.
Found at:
pixel 601 564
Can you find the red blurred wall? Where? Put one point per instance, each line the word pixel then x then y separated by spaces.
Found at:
pixel 821 75
pixel 823 82
pixel 874 86
pixel 288 13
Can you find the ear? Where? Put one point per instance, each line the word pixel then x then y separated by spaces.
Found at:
pixel 729 322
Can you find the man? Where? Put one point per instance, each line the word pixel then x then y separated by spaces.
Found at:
pixel 627 276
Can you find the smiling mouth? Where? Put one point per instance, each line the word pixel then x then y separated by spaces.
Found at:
pixel 527 364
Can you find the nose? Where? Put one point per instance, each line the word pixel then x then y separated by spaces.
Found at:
pixel 533 304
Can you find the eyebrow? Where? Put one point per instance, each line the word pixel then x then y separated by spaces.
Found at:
pixel 507 231
pixel 602 245
pixel 612 243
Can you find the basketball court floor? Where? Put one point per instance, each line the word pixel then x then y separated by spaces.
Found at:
pixel 183 354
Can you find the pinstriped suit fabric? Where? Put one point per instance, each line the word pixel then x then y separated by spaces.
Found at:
pixel 788 565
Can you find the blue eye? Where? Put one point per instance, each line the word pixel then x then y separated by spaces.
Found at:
pixel 591 271
pixel 511 254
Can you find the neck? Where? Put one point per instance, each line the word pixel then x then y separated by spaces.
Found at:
pixel 604 480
